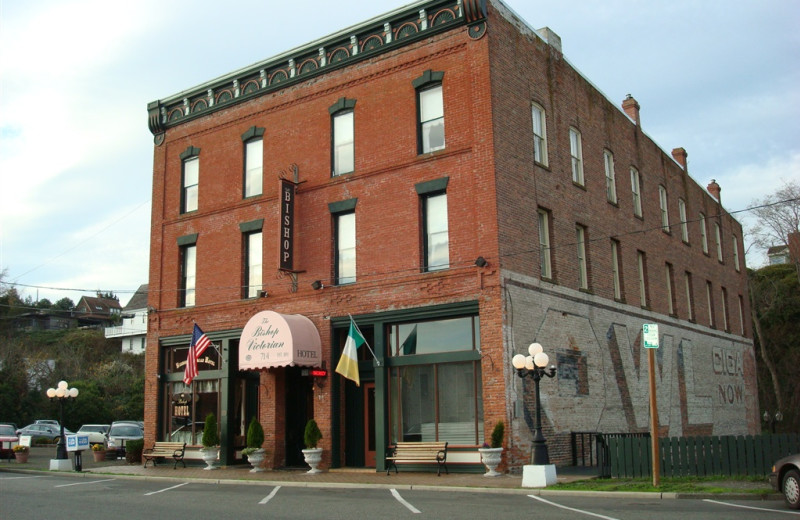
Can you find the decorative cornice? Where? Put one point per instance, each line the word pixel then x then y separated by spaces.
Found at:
pixel 379 35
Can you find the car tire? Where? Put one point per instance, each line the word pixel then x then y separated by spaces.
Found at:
pixel 791 488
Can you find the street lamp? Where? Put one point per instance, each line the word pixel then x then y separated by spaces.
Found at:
pixel 771 420
pixel 535 366
pixel 62 393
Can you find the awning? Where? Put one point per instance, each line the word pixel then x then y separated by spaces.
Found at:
pixel 277 340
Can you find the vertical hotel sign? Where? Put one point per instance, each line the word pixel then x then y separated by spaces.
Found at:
pixel 287 226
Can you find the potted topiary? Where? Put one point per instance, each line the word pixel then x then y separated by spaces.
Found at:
pixel 210 442
pixel 21 453
pixel 492 455
pixel 99 452
pixel 254 452
pixel 312 454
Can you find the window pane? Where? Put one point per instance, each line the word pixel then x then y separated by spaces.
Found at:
pixel 254 260
pixel 544 245
pixel 430 337
pixel 254 159
pixel 191 174
pixel 418 400
pixel 438 249
pixel 346 248
pixel 457 399
pixel 431 113
pixel 343 144
pixel 189 269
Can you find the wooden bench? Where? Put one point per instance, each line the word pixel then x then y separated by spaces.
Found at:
pixel 418 453
pixel 174 450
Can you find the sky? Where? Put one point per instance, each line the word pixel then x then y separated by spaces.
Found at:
pixel 720 78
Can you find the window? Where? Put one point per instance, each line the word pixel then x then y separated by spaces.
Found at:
pixel 430 105
pixel 670 289
pixel 190 179
pixel 539 135
pixel 611 183
pixel 741 315
pixel 703 234
pixel 253 161
pixel 662 202
pixel 345 261
pixel 583 268
pixel 343 136
pixel 643 289
pixel 718 240
pixel 545 258
pixel 576 151
pixel 616 269
pixel 188 275
pixel 684 224
pixel 725 320
pixel 736 264
pixel 637 193
pixel 189 405
pixel 253 255
pixel 437 243
pixel 689 296
pixel 710 300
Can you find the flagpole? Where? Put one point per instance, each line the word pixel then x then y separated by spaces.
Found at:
pixel 377 361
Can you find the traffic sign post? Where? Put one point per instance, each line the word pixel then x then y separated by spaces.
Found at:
pixel 650 340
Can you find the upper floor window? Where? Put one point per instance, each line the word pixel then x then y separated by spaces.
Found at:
pixel 430 102
pixel 611 182
pixel 684 223
pixel 725 318
pixel 689 295
pixel 190 178
pixel 345 261
pixel 718 240
pixel 188 262
pixel 576 152
pixel 670 288
pixel 643 287
pixel 735 242
pixel 662 202
pixel 253 260
pixel 343 136
pixel 437 241
pixel 253 161
pixel 636 186
pixel 710 299
pixel 616 269
pixel 583 261
pixel 545 258
pixel 539 134
pixel 703 233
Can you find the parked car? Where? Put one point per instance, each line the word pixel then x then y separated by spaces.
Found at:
pixel 51 422
pixel 7 439
pixel 785 478
pixel 98 433
pixel 122 432
pixel 47 431
pixel 13 425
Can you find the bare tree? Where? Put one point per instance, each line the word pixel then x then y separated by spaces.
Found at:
pixel 777 216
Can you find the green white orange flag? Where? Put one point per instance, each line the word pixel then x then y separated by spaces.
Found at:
pixel 348 363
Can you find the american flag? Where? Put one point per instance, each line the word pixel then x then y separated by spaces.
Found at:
pixel 200 343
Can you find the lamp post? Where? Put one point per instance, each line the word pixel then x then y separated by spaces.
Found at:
pixel 62 393
pixel 772 419
pixel 535 366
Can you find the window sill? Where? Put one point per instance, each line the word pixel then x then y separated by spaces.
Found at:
pixel 579 185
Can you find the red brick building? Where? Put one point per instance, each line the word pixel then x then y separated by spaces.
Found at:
pixel 444 176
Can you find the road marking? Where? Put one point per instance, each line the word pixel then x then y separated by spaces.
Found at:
pixel 167 489
pixel 402 501
pixel 82 483
pixel 19 478
pixel 751 507
pixel 269 497
pixel 572 508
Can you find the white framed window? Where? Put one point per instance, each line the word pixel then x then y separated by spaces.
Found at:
pixel 253 264
pixel 684 223
pixel 636 189
pixel 539 134
pixel 188 275
pixel 703 233
pixel 583 264
pixel 253 167
pixel 689 295
pixel 670 288
pixel 343 142
pixel 725 320
pixel 545 259
pixel 616 270
pixel 576 152
pixel 345 248
pixel 741 315
pixel 611 182
pixel 431 119
pixel 642 268
pixel 662 202
pixel 736 263
pixel 710 300
pixel 718 240
pixel 191 179
pixel 437 238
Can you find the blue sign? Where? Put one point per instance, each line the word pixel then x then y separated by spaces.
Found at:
pixel 77 442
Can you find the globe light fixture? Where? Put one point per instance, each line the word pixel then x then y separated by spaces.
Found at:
pixel 62 393
pixel 535 365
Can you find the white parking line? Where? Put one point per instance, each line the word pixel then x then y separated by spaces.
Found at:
pixel 269 497
pixel 19 478
pixel 402 501
pixel 796 513
pixel 572 508
pixel 167 489
pixel 83 483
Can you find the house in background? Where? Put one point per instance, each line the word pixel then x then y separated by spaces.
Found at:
pixel 133 329
pixel 97 311
pixel 778 254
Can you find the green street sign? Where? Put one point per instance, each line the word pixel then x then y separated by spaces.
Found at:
pixel 650 335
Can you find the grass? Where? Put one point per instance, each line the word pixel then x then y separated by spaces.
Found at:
pixel 719 484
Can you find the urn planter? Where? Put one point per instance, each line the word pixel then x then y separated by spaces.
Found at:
pixel 256 460
pixel 210 457
pixel 491 458
pixel 313 458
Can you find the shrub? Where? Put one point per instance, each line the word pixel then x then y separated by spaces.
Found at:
pixel 133 451
pixel 210 436
pixel 255 434
pixel 19 448
pixel 497 434
pixel 312 435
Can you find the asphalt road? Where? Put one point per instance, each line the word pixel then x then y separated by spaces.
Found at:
pixel 25 496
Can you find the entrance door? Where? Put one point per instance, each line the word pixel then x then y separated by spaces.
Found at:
pixel 299 409
pixel 369 424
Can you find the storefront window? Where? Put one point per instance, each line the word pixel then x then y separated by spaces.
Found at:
pixel 188 408
pixel 430 337
pixel 176 360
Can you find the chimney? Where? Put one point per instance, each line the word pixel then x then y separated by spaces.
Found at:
pixel 631 107
pixel 552 39
pixel 714 189
pixel 680 155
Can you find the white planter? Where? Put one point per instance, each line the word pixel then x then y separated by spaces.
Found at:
pixel 256 459
pixel 313 458
pixel 210 457
pixel 491 458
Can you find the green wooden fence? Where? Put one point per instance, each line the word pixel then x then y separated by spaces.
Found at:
pixel 698 456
